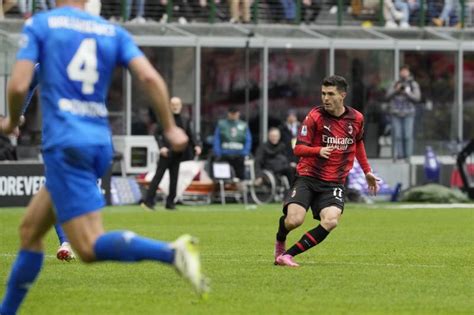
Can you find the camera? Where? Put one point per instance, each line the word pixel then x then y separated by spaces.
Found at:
pixel 401 86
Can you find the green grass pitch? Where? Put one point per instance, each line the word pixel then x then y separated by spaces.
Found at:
pixel 379 260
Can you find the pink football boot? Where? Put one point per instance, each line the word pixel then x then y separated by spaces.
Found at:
pixel 286 260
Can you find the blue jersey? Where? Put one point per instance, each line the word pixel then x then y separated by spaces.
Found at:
pixel 77 53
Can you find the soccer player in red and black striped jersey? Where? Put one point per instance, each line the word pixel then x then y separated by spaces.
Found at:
pixel 328 141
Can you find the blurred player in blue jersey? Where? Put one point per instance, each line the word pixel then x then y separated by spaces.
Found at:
pixel 78 53
pixel 64 251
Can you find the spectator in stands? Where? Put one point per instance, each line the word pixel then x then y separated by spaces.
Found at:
pixel 272 156
pixel 94 7
pixel 139 17
pixel 397 13
pixel 403 95
pixel 44 6
pixel 170 160
pixel 310 10
pixel 26 8
pixel 240 11
pixel 5 6
pixel 289 133
pixel 406 7
pixel 449 7
pixel 289 9
pixel 232 141
pixel 111 10
pixel 188 10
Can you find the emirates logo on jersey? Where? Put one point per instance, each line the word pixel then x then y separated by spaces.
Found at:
pixel 337 142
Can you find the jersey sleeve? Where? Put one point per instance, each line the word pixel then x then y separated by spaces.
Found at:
pixel 307 131
pixel 30 40
pixel 128 49
pixel 360 135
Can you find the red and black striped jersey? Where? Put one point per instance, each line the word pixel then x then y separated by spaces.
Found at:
pixel 321 129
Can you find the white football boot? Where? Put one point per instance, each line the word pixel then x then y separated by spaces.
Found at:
pixel 188 263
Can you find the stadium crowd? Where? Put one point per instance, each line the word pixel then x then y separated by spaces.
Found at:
pixel 394 13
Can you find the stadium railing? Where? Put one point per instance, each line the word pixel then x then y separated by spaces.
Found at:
pixel 321 12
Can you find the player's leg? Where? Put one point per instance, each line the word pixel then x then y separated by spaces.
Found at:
pixel 77 200
pixel 294 217
pixel 296 204
pixel 329 220
pixel 64 251
pixel 91 243
pixel 331 203
pixel 37 221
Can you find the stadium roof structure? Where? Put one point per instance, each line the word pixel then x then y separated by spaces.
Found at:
pixel 225 35
pixel 272 36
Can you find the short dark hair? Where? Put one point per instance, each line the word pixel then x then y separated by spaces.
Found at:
pixel 407 67
pixel 233 109
pixel 336 80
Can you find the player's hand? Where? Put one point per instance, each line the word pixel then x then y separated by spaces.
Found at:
pixel 164 151
pixel 7 128
pixel 326 152
pixel 177 138
pixel 372 183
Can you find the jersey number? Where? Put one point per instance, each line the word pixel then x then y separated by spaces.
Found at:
pixel 83 66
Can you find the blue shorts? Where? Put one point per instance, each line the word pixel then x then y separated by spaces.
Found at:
pixel 71 179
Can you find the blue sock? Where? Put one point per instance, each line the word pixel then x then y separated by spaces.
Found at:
pixel 61 235
pixel 24 272
pixel 127 246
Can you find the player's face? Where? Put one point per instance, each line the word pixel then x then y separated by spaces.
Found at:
pixel 332 99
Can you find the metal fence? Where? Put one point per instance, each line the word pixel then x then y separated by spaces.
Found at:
pixel 389 13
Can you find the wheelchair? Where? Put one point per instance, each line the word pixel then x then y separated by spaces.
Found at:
pixel 270 189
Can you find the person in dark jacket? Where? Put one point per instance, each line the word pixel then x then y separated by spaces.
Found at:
pixel 289 132
pixel 169 159
pixel 7 150
pixel 273 156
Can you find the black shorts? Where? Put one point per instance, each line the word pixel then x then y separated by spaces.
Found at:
pixel 314 193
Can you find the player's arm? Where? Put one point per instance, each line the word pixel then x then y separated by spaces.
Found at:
pixel 157 90
pixel 17 89
pixel 361 156
pixel 31 91
pixel 303 150
pixel 303 146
